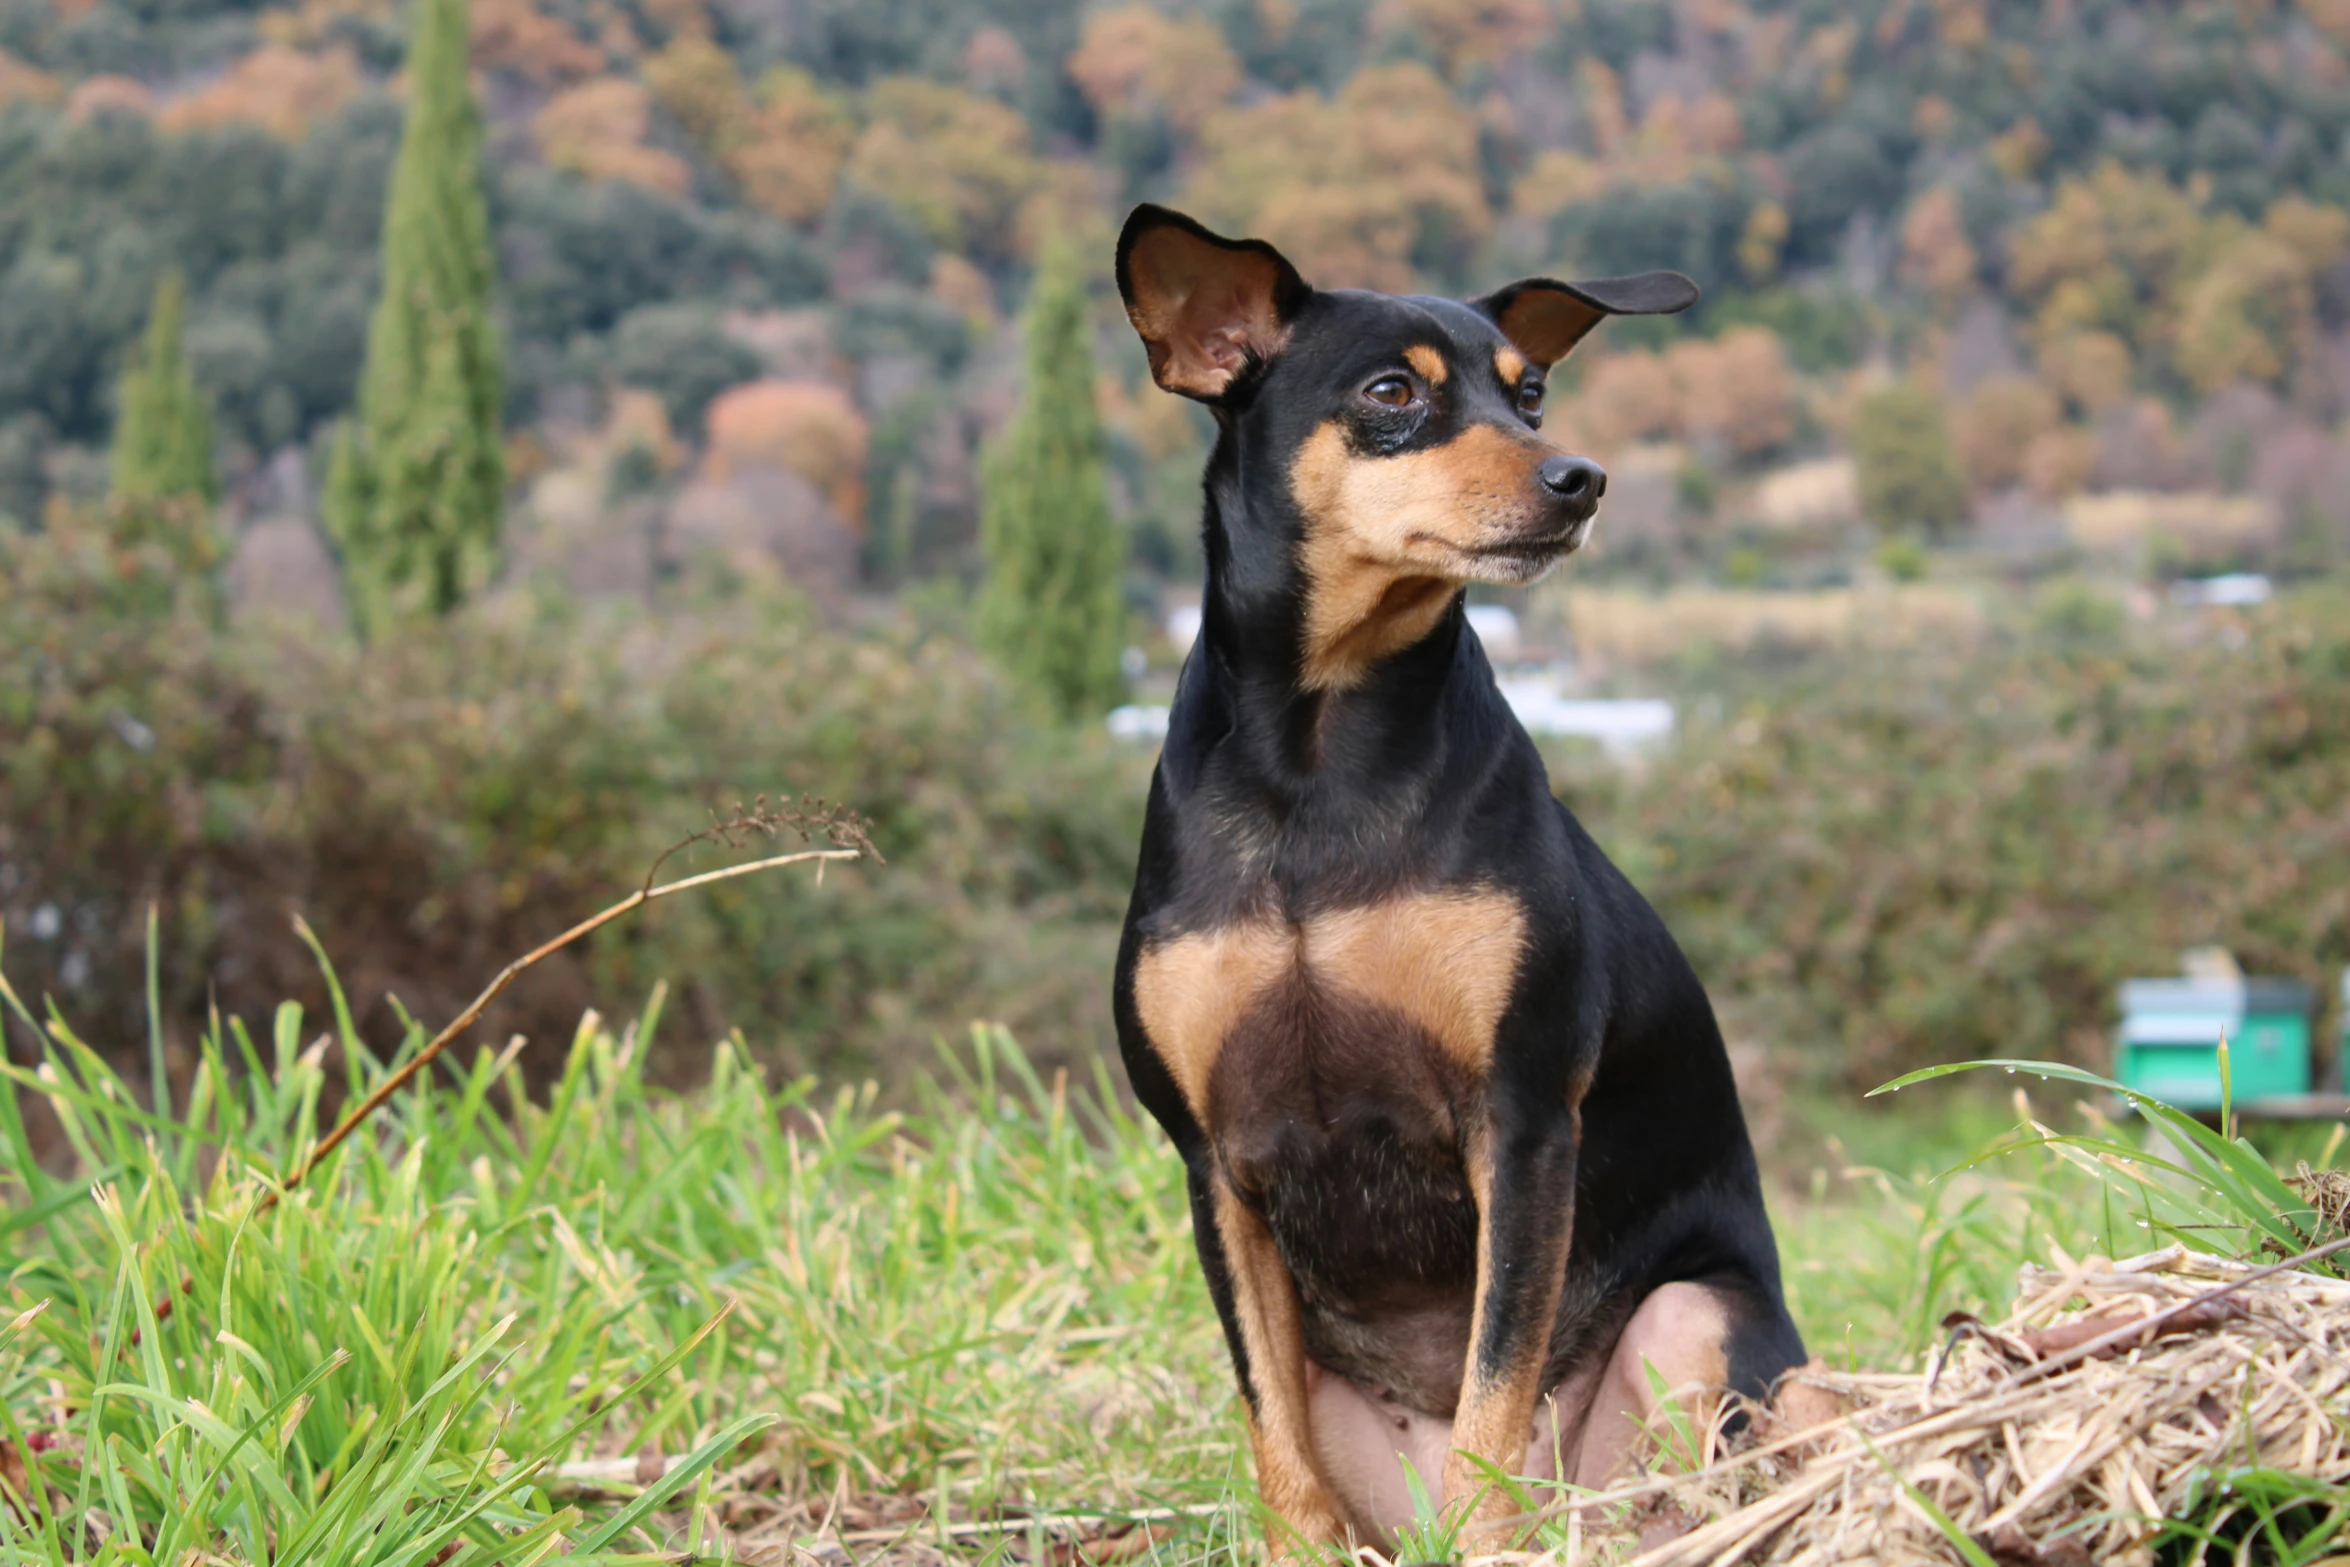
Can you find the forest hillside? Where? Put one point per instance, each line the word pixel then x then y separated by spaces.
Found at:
pixel 757 257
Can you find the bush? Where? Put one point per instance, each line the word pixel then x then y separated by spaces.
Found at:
pixel 1903 558
pixel 442 801
pixel 1908 474
pixel 1906 859
pixel 1878 858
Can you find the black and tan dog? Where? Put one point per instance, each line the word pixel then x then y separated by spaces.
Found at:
pixel 1463 1145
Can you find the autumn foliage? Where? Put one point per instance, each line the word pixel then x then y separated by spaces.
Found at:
pixel 801 427
pixel 1735 392
pixel 284 91
pixel 1136 60
pixel 597 129
pixel 2110 243
pixel 1363 190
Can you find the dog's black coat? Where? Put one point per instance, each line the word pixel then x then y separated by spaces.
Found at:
pixel 1608 1084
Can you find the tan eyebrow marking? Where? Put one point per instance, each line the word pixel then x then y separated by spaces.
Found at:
pixel 1510 363
pixel 1427 361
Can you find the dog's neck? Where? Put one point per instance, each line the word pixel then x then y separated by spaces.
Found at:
pixel 1387 730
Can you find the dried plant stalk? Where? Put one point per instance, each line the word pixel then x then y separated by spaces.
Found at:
pixel 849 835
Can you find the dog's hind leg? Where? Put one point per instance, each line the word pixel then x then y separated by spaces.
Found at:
pixel 1699 1340
pixel 1367 1441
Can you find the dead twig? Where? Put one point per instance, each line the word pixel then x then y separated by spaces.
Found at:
pixel 983 1528
pixel 2143 1328
pixel 848 833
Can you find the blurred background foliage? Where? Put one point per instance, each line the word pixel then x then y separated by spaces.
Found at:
pixel 2086 221
pixel 1880 851
pixel 465 789
pixel 2015 314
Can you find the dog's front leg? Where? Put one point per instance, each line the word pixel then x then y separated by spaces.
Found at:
pixel 1522 1172
pixel 1257 1299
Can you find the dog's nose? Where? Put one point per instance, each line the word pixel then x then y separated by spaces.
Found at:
pixel 1576 480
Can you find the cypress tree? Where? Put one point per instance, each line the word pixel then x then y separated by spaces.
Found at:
pixel 415 494
pixel 1050 610
pixel 163 439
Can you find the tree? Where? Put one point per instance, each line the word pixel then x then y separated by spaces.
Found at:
pixel 958 164
pixel 1050 610
pixel 163 440
pixel 1996 426
pixel 1907 472
pixel 1935 252
pixel 1138 61
pixel 1363 190
pixel 1735 389
pixel 597 130
pixel 414 497
pixel 683 353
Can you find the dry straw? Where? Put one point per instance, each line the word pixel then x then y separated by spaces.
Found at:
pixel 2114 1396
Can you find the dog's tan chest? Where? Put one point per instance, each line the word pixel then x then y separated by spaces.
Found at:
pixel 1442 962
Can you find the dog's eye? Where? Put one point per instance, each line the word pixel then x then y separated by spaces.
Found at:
pixel 1389 391
pixel 1530 398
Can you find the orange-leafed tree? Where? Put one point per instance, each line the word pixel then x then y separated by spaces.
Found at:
pixel 2090 370
pixel 784 143
pixel 1996 426
pixel 1364 191
pixel 515 35
pixel 808 428
pixel 793 143
pixel 284 91
pixel 598 129
pixel 1470 35
pixel 1625 397
pixel 1936 255
pixel 1136 60
pixel 1736 389
pixel 20 82
pixel 960 165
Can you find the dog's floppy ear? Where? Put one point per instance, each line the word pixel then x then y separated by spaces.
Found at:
pixel 1210 309
pixel 1544 318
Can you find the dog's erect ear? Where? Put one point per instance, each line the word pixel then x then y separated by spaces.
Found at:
pixel 1543 318
pixel 1209 309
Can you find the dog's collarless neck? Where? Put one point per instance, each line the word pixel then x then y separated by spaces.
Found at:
pixel 1386 732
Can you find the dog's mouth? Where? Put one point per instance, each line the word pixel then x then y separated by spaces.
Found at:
pixel 1558 538
pixel 1551 541
pixel 1518 554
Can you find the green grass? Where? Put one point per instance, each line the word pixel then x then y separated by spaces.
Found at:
pixel 986 1303
pixel 988 1300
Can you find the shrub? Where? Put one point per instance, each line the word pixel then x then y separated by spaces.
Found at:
pixel 1908 474
pixel 439 802
pixel 1903 557
pixel 1916 857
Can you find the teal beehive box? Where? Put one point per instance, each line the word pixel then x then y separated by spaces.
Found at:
pixel 2171 1029
pixel 2342 1045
